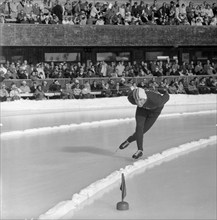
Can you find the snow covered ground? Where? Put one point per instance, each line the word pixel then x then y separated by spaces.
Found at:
pixel 50 150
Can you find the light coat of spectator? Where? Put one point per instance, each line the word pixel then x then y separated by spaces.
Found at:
pixel 15 93
pixel 24 88
pixel 3 93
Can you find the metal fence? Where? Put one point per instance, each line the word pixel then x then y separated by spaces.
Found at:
pixel 64 81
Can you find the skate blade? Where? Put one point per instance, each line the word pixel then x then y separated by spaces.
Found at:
pixel 116 150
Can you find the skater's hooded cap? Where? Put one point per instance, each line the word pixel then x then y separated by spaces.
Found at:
pixel 137 97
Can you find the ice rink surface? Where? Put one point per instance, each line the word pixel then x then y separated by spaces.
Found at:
pixel 38 170
pixel 179 189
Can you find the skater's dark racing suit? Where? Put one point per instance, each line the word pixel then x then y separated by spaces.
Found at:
pixel 147 114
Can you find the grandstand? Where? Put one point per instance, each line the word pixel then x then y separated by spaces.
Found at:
pixel 86 48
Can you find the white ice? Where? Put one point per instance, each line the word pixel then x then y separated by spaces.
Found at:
pixel 41 169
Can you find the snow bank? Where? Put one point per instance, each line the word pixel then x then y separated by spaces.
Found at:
pixel 64 207
pixel 93 124
pixel 98 103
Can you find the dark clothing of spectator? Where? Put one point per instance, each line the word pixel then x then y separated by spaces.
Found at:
pixel 58 11
pixel 20 17
pixel 55 87
pixel 192 89
pixel 211 84
pixel 33 88
pixel 36 9
pixel 203 89
pixel 95 87
pixel 135 10
pixel 39 94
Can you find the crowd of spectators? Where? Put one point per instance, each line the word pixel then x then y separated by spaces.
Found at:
pixel 105 13
pixel 116 72
pixel 24 70
pixel 106 88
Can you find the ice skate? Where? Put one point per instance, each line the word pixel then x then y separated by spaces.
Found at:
pixel 124 145
pixel 137 155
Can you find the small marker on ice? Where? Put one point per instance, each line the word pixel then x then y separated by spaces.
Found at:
pixel 122 205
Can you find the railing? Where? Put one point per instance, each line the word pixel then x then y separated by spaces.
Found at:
pixel 64 81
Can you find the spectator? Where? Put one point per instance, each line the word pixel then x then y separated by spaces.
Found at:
pixel 95 86
pixel 34 76
pixel 2 19
pixel 172 88
pixel 212 84
pixel 214 66
pixel 100 14
pixel 198 68
pixel 202 87
pixel 36 9
pixel 13 9
pixel 24 88
pixel 164 85
pixel 20 16
pixel 110 69
pixel 3 70
pixel 55 86
pixel 120 69
pixel 68 8
pixel 14 93
pixel 190 12
pixel 25 20
pixel 77 91
pixel 145 68
pixel 208 69
pixel 86 91
pixel 123 86
pixel 182 13
pixel 106 92
pixel 58 11
pixel 192 89
pixel 21 6
pixel 100 21
pixel 33 87
pixel 65 20
pixel 180 87
pixel 134 85
pixel 113 87
pixel 28 6
pixel 23 74
pixel 39 93
pixel 44 86
pixel 68 92
pixel 213 22
pixel 32 18
pixel 3 93
pixel 209 11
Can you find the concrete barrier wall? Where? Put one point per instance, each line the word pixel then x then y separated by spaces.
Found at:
pixel 102 103
pixel 107 35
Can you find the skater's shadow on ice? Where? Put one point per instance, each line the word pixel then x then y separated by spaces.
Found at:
pixel 91 150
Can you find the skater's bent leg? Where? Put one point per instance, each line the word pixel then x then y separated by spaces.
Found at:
pixel 146 125
pixel 149 122
pixel 138 135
